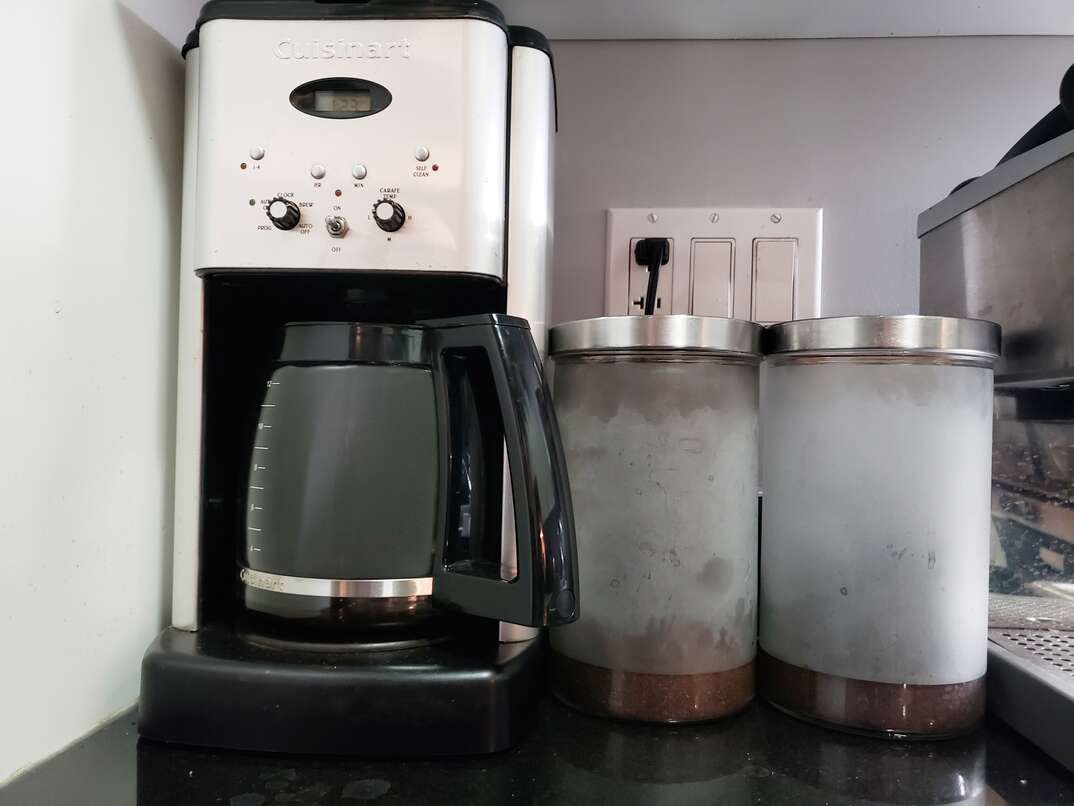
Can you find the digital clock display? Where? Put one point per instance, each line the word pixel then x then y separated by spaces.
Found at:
pixel 342 101
pixel 340 97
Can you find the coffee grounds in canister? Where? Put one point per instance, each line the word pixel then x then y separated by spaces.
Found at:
pixel 652 697
pixel 897 710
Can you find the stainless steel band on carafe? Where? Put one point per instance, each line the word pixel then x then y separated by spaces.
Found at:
pixel 337 588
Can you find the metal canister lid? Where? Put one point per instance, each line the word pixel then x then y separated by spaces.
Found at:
pixel 878 335
pixel 629 334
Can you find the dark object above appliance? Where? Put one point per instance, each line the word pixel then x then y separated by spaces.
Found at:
pixel 1054 124
pixel 1000 247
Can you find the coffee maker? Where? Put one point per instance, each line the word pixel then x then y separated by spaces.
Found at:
pixel 372 517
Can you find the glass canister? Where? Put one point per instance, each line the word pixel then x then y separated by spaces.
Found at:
pixel 876 461
pixel 659 418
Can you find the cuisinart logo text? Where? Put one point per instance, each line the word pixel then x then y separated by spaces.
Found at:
pixel 341 49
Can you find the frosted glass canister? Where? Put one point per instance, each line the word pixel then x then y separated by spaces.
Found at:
pixel 659 420
pixel 876 465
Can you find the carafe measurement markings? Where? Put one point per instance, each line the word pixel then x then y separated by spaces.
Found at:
pixel 261 425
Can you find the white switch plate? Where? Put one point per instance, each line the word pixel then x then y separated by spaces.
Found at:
pixel 686 224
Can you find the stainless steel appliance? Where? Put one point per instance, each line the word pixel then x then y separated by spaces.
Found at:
pixel 1002 247
pixel 378 167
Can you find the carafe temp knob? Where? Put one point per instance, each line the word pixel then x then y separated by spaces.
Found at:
pixel 283 213
pixel 389 215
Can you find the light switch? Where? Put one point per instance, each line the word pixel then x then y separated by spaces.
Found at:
pixel 775 267
pixel 712 278
pixel 639 283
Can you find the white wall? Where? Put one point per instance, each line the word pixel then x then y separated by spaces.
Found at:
pixel 89 176
pixel 873 131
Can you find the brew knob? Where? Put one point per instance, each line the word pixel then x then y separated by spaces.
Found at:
pixel 283 213
pixel 389 215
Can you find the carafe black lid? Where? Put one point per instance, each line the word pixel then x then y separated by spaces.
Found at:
pixel 353 343
pixel 374 343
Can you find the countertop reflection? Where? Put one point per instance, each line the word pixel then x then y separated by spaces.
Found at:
pixel 760 756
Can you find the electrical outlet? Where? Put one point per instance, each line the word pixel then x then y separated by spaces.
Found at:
pixel 638 282
pixel 759 263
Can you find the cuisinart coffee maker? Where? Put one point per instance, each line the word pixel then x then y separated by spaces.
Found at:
pixel 371 503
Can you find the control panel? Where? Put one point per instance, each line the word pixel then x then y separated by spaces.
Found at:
pixel 351 146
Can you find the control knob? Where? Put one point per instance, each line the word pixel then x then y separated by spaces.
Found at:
pixel 283 213
pixel 389 215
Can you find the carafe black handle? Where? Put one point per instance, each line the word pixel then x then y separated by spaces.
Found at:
pixel 545 590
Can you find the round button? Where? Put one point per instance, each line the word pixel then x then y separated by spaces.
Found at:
pixel 317 171
pixel 256 152
pixel 421 153
pixel 359 171
pixel 283 213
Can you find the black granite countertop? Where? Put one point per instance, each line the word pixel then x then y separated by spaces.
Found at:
pixel 760 756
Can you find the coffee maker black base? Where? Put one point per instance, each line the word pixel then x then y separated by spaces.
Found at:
pixel 216 688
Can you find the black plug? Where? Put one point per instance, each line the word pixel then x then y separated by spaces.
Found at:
pixel 652 253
